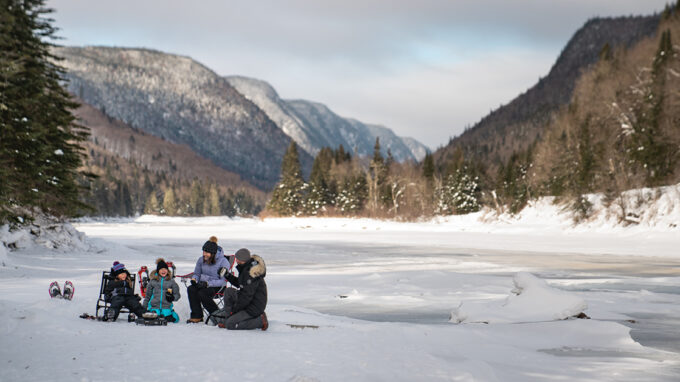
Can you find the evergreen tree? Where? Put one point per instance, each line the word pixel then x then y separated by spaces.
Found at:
pixel 353 194
pixel 377 189
pixel 227 203
pixel 341 155
pixel 664 52
pixel 459 193
pixel 288 195
pixel 513 179
pixel 390 159
pixel 39 141
pixel 428 168
pixel 320 193
pixel 122 199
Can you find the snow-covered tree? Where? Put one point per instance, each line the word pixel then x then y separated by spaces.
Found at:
pixel 320 183
pixel 289 194
pixel 353 194
pixel 458 194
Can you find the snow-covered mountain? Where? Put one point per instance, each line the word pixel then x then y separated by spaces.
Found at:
pixel 313 125
pixel 182 101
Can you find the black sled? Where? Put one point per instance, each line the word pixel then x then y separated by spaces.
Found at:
pixel 158 321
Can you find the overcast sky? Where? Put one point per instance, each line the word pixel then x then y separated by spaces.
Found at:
pixel 424 68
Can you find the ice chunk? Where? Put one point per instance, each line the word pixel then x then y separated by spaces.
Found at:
pixel 531 300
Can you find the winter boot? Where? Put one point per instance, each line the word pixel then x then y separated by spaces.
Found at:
pixel 68 290
pixel 111 315
pixel 150 315
pixel 265 323
pixel 54 290
pixel 194 320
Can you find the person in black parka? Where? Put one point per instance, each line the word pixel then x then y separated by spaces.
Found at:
pixel 245 307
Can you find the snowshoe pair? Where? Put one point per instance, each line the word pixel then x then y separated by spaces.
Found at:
pixel 55 291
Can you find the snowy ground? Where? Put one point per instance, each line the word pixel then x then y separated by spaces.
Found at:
pixel 381 294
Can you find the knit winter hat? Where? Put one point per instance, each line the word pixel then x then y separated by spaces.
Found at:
pixel 117 268
pixel 210 247
pixel 243 254
pixel 160 264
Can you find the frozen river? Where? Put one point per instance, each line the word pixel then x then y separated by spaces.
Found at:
pixel 385 276
pixel 420 284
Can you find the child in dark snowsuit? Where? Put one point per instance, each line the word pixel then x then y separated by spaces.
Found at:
pixel 161 292
pixel 119 292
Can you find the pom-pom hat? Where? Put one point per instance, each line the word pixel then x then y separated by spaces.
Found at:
pixel 160 264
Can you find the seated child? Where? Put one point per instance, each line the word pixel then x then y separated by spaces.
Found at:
pixel 161 291
pixel 119 292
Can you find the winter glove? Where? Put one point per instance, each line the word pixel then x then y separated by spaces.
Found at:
pixel 193 282
pixel 138 297
pixel 203 284
pixel 169 297
pixel 223 272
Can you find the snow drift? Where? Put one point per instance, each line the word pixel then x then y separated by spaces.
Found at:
pixel 532 300
pixel 43 232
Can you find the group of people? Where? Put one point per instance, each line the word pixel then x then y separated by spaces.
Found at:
pixel 244 302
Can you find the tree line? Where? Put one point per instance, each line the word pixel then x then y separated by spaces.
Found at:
pixel 121 187
pixel 347 185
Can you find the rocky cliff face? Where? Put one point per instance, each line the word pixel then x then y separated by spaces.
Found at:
pixel 313 125
pixel 182 101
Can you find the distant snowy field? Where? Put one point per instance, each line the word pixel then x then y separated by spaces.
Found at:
pixel 386 297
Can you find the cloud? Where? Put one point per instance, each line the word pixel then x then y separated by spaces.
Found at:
pixel 424 68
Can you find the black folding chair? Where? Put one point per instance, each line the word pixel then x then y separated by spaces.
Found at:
pixel 218 297
pixel 103 302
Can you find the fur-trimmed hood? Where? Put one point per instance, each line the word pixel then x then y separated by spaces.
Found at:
pixel 258 269
pixel 155 276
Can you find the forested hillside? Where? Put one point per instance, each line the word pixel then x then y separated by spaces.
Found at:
pixel 604 120
pixel 513 127
pixel 139 173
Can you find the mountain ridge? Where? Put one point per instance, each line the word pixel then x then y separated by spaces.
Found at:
pixel 183 101
pixel 313 125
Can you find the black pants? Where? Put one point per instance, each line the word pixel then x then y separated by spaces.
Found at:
pixel 130 302
pixel 198 296
pixel 239 320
